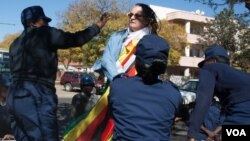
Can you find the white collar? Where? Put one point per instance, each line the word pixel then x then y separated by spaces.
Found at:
pixel 142 31
pixel 136 35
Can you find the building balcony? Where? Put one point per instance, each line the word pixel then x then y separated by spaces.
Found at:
pixel 188 16
pixel 193 38
pixel 190 61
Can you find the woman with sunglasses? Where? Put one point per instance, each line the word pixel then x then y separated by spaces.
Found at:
pixel 118 54
pixel 119 58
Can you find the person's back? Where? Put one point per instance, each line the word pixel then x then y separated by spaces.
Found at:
pixel 79 102
pixel 144 107
pixel 145 112
pixel 228 78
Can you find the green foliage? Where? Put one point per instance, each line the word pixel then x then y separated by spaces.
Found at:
pixel 94 49
pixel 83 13
pixel 215 3
pixel 8 39
pixel 231 32
pixel 242 60
pixel 69 55
pixel 177 39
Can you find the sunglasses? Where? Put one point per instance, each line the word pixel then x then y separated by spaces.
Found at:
pixel 136 15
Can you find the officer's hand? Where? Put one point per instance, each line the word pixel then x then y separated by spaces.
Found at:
pixel 8 137
pixel 103 20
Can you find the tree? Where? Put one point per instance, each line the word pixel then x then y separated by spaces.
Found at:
pixel 177 39
pixel 82 13
pixel 8 39
pixel 68 56
pixel 74 19
pixel 94 49
pixel 231 32
pixel 231 3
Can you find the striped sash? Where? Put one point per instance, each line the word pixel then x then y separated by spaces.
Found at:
pixel 97 125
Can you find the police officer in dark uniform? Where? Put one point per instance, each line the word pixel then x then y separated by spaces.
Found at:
pixel 230 85
pixel 211 126
pixel 144 107
pixel 33 62
pixel 86 99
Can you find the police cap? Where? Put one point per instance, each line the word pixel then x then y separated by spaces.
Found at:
pixel 152 47
pixel 213 51
pixel 33 13
pixel 87 80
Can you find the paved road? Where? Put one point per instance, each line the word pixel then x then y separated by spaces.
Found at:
pixel 64 100
pixel 64 96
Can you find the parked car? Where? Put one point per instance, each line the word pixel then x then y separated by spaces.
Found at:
pixel 188 92
pixel 71 80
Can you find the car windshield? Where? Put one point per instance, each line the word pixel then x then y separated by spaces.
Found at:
pixel 190 86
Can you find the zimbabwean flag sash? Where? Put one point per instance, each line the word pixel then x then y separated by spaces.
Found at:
pixel 97 125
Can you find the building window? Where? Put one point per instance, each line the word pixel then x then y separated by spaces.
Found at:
pixel 196 29
pixel 195 52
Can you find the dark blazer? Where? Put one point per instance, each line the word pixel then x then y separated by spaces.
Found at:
pixel 33 55
pixel 143 112
pixel 232 86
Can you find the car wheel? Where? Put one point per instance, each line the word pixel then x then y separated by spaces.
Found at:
pixel 68 87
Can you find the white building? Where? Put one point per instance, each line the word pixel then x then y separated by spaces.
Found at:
pixel 194 23
pixel 4 54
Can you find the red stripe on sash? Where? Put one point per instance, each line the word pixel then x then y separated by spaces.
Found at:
pixel 90 130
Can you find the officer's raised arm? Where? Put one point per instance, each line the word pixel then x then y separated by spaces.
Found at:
pixel 103 20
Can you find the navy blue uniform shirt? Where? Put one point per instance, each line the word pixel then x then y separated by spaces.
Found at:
pixel 33 55
pixel 212 120
pixel 143 112
pixel 233 90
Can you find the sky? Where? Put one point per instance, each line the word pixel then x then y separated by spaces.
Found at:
pixel 10 11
